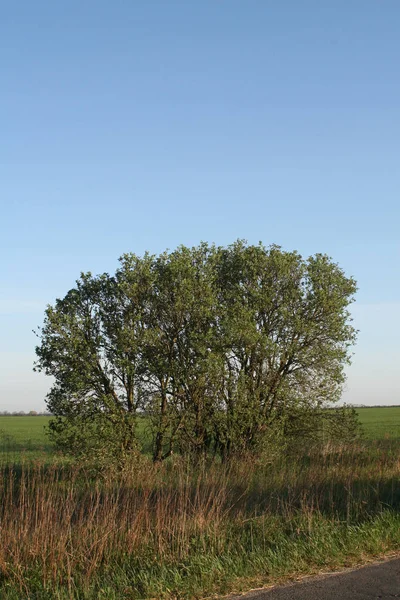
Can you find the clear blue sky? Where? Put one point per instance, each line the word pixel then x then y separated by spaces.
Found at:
pixel 128 126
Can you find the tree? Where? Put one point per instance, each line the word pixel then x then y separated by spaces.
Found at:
pixel 286 334
pixel 89 345
pixel 184 319
pixel 217 346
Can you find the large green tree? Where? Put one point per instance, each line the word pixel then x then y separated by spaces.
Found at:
pixel 286 330
pixel 217 346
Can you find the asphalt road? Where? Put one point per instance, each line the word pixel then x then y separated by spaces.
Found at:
pixel 374 582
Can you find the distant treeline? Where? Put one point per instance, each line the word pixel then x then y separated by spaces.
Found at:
pixel 22 413
pixel 375 406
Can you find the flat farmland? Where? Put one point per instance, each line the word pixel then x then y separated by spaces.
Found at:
pixel 380 423
pixel 26 436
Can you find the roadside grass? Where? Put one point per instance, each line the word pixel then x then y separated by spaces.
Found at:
pixel 174 531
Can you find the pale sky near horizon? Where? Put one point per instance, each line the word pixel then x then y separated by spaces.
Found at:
pixel 127 126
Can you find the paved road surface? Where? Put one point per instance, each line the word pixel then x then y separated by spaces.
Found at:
pixel 375 582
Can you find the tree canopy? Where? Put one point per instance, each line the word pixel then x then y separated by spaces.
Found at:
pixel 217 346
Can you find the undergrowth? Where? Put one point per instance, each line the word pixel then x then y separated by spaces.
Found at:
pixel 176 531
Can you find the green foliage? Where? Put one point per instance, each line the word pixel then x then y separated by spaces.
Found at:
pixel 223 348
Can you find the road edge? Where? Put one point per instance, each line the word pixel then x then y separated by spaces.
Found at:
pixel 290 581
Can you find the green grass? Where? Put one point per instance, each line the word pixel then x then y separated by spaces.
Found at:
pixel 174 532
pixel 380 423
pixel 25 429
pixel 25 436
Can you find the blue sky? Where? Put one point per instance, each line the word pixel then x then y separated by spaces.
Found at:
pixel 128 126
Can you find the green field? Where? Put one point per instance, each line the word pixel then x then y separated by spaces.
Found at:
pixel 380 423
pixel 25 436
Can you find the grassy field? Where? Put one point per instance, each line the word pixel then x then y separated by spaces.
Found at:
pixel 176 532
pixel 380 423
pixel 25 436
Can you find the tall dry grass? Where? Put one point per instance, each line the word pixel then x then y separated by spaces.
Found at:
pixel 177 531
